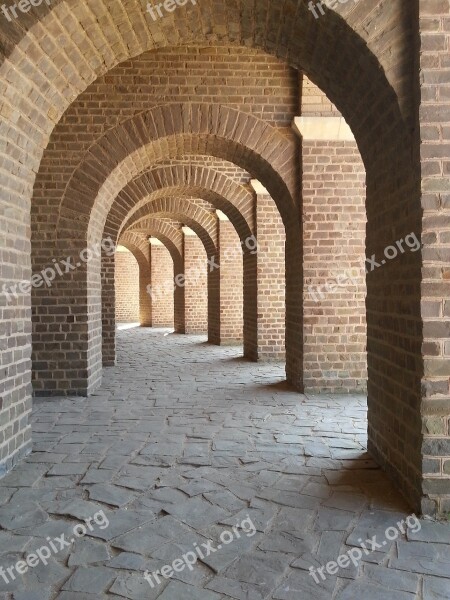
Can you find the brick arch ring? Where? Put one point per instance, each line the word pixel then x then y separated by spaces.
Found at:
pixel 222 191
pixel 171 131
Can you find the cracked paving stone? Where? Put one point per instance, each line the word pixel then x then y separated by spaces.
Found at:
pixel 85 552
pixel 121 522
pixel 12 543
pixel 150 536
pixel 81 596
pixel 135 587
pixel 262 568
pixel 438 533
pixel 301 585
pixel 370 591
pixel 19 516
pixel 260 518
pixel 428 550
pixel 53 573
pixel 129 561
pixel 26 476
pixel 93 476
pixel 375 523
pixel 226 555
pixel 422 565
pixel 90 580
pixel 197 512
pixel 237 589
pixel 63 469
pixel 287 543
pixel 197 487
pixel 181 591
pixel 77 508
pixel 33 595
pixel 284 498
pixel 333 519
pixel 225 500
pixel 435 589
pixel 110 494
pixel 395 580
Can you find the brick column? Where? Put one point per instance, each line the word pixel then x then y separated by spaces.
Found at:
pixel 434 466
pixel 195 283
pixel 145 300
pixel 162 285
pixel 268 342
pixel 334 229
pixel 108 278
pixel 231 281
pixel 127 287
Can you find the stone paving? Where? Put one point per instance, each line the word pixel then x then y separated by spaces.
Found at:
pixel 183 442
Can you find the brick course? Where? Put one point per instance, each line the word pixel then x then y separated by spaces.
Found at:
pixel 127 288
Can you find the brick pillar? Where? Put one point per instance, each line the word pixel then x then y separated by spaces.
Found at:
pixel 108 276
pixel 162 285
pixel 231 282
pixel 145 300
pixel 268 341
pixel 127 287
pixel 334 226
pixel 195 283
pixel 434 466
pixel 179 295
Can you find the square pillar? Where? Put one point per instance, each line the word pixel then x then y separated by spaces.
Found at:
pixel 162 285
pixel 231 282
pixel 269 341
pixel 195 283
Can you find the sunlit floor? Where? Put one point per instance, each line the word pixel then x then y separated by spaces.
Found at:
pixel 195 475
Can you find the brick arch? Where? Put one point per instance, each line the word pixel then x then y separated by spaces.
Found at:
pixel 170 131
pixel 47 69
pixel 170 234
pixel 234 199
pixel 136 244
pixel 198 219
pixel 164 231
pixel 137 240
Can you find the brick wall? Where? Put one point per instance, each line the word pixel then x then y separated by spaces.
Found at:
pixel 127 288
pixel 162 275
pixel 271 280
pixel 231 283
pixel 196 285
pixel 435 305
pixel 334 226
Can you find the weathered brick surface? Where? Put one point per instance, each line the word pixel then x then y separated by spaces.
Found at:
pixel 162 283
pixel 268 341
pixel 435 290
pixel 231 283
pixel 334 226
pixel 127 288
pixel 195 285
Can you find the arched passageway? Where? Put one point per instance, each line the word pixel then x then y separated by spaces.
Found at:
pixel 56 60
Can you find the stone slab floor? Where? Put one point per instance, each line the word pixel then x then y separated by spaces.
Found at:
pixel 183 442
